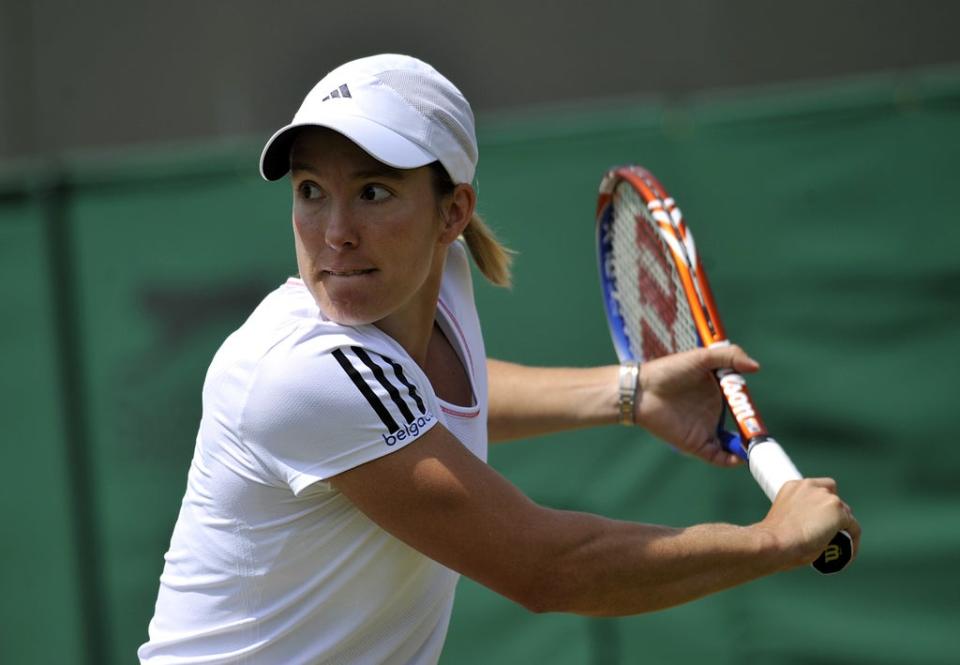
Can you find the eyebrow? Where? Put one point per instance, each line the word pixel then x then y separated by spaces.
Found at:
pixel 378 171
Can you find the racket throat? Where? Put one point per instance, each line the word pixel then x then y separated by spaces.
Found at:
pixel 738 401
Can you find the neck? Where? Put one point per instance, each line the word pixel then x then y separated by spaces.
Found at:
pixel 412 325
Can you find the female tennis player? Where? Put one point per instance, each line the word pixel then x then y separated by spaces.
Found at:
pixel 339 485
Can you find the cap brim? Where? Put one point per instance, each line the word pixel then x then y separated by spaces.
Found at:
pixel 381 143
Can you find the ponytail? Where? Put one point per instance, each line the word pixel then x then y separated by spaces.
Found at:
pixel 491 257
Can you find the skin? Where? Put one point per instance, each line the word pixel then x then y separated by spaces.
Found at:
pixel 370 246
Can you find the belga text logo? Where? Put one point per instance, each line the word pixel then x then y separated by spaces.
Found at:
pixel 408 431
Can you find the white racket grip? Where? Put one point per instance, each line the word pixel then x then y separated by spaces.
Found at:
pixel 771 467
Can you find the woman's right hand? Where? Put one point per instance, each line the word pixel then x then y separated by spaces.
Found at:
pixel 804 518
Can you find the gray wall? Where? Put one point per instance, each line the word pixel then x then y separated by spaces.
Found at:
pixel 77 75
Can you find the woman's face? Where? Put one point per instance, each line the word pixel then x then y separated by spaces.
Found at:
pixel 367 235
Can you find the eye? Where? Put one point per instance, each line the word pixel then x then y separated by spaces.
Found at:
pixel 374 193
pixel 309 191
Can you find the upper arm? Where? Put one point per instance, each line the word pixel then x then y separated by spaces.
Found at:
pixel 443 501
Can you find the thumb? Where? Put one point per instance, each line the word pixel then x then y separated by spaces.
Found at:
pixel 730 357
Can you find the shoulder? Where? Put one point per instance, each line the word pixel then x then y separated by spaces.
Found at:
pixel 333 397
pixel 321 363
pixel 288 351
pixel 322 409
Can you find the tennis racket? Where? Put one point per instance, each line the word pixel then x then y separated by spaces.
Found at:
pixel 658 302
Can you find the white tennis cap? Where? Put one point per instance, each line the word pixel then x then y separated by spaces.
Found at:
pixel 397 108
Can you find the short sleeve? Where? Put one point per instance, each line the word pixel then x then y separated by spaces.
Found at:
pixel 311 414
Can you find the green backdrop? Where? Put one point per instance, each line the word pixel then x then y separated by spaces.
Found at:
pixel 824 216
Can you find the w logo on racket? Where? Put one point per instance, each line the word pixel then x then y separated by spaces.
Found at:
pixel 658 295
pixel 648 314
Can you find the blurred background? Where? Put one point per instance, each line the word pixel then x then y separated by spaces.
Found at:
pixel 814 147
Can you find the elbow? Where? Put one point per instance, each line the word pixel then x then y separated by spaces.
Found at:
pixel 547 589
pixel 538 603
pixel 550 568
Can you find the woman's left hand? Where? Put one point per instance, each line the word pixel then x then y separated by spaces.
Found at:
pixel 678 399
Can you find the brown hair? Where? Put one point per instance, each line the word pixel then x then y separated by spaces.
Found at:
pixel 492 258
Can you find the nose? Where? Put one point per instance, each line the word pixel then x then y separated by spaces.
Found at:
pixel 341 230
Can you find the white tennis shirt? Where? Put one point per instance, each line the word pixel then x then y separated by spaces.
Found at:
pixel 268 563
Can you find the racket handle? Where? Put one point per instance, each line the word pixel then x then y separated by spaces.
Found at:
pixel 837 555
pixel 772 468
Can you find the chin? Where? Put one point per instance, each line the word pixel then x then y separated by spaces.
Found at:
pixel 347 318
pixel 348 306
pixel 347 313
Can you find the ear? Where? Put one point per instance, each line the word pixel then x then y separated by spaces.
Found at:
pixel 456 211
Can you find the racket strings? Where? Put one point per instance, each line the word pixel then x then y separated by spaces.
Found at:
pixel 650 293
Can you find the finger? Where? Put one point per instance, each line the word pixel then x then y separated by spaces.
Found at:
pixel 731 460
pixel 828 484
pixel 730 357
pixel 714 452
pixel 721 457
pixel 744 363
pixel 853 528
pixel 732 443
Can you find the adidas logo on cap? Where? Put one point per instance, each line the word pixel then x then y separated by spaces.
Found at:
pixel 342 91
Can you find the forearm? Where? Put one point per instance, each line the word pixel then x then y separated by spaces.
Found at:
pixel 611 568
pixel 529 401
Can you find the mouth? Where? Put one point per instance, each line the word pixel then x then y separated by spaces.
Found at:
pixel 347 273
